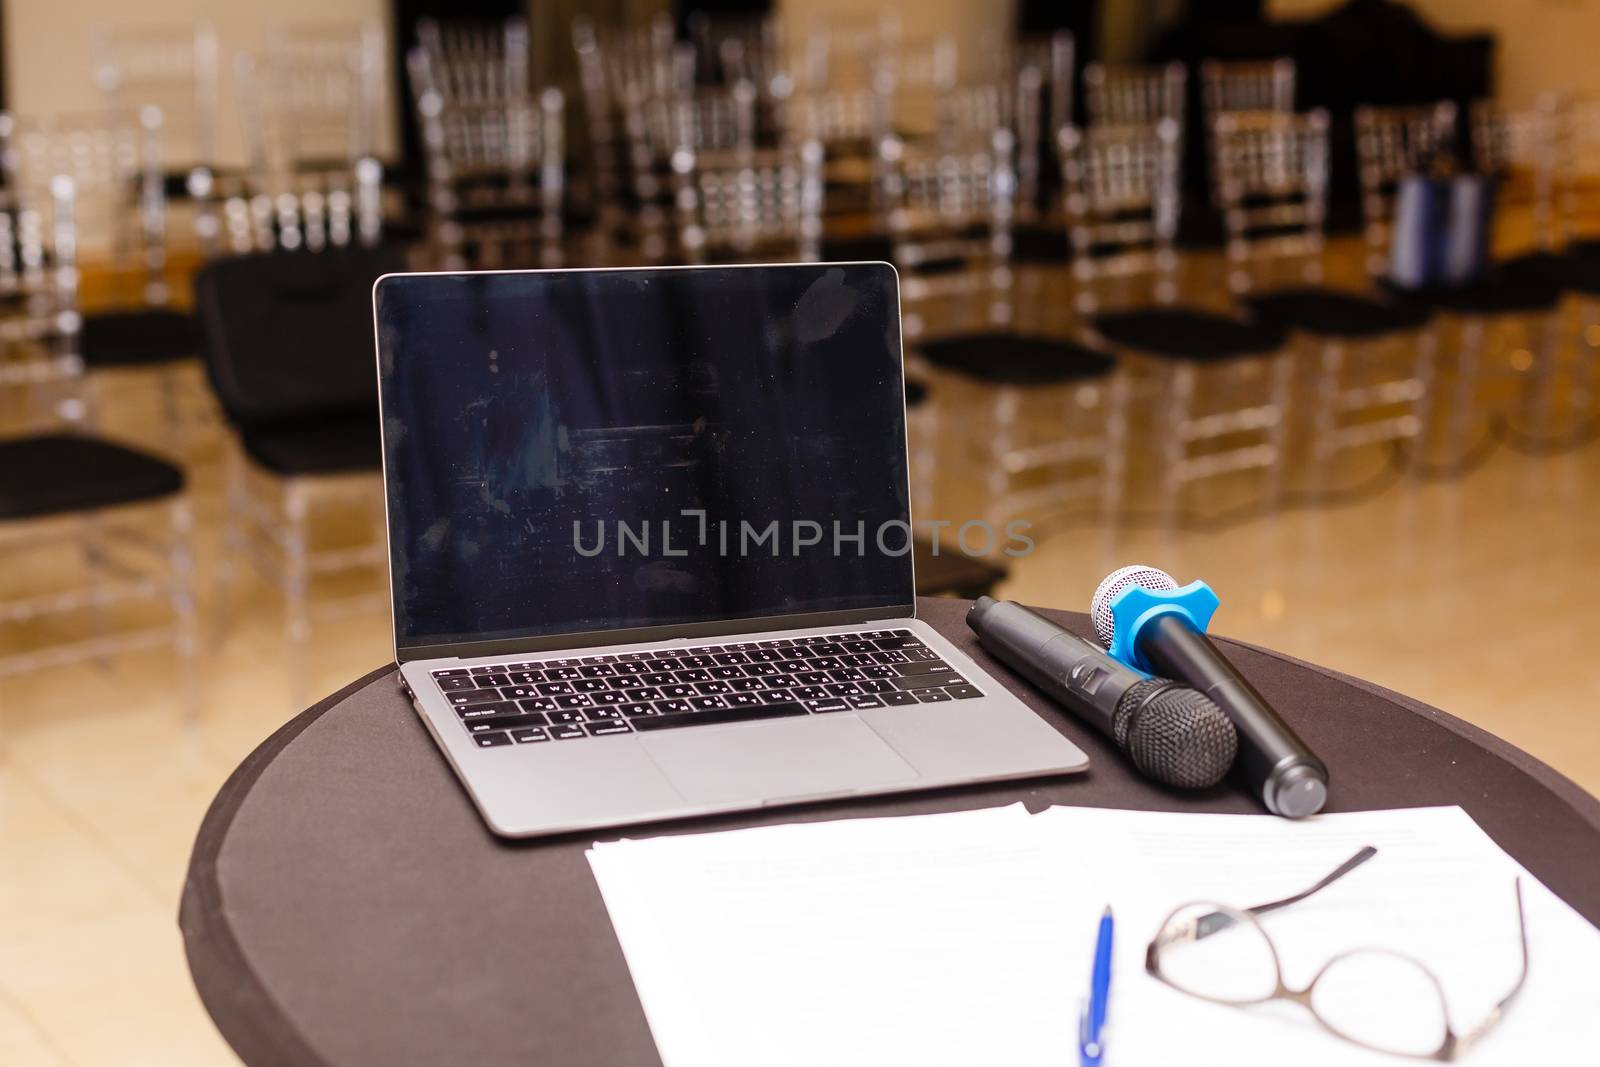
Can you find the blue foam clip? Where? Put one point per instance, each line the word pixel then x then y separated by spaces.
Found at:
pixel 1135 607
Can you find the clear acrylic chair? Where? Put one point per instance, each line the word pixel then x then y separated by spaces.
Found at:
pixel 1229 86
pixel 312 100
pixel 1374 357
pixel 1210 384
pixel 753 206
pixel 1392 143
pixel 1119 95
pixel 125 513
pixel 286 326
pixel 949 215
pixel 713 120
pixel 138 338
pixel 495 152
pixel 174 69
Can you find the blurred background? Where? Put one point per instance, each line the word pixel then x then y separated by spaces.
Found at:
pixel 1299 297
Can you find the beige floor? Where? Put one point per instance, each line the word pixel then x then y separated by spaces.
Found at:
pixel 1477 595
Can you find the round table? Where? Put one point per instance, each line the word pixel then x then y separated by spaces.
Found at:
pixel 345 905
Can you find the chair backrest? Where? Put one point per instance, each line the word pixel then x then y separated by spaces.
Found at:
pixel 288 335
pixel 1133 95
pixel 1506 142
pixel 929 190
pixel 1228 86
pixel 314 98
pixel 173 68
pixel 314 210
pixel 709 120
pixel 120 193
pixel 742 202
pixel 1272 184
pixel 1578 169
pixel 1121 191
pixel 1391 143
pixel 39 282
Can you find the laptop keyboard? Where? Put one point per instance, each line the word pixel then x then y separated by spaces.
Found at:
pixel 532 701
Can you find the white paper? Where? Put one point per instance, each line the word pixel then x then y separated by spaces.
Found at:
pixel 966 939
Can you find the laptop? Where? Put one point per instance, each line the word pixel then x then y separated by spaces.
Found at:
pixel 649 546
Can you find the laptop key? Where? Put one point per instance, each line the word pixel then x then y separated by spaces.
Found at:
pixel 931 696
pixel 963 692
pixel 709 688
pixel 492 681
pixel 889 657
pixel 530 735
pixel 729 658
pixel 633 711
pixel 569 715
pixel 696 674
pixel 633 667
pixel 718 715
pixel 502 722
pixel 742 700
pixel 487 668
pixel 448 684
pixel 860 646
pixel 642 693
pixel 932 666
pixel 826 663
pixel 880 671
pixel 777 696
pixel 924 681
pixel 538 704
pixel 601 729
pixel 566 731
pixel 865 701
pixel 844 689
pixel 484 711
pixel 598 670
pixel 453 672
pixel 551 689
pixel 897 697
pixel 562 674
pixel 526 677
pixel 591 685
pixel 657 678
pixel 809 692
pixel 812 678
pixel 673 707
pixel 844 674
pixel 599 714
pixel 891 644
pixel 764 655
pixel 725 673
pixel 473 696
pixel 677 691
pixel 707 703
pixel 518 692
pixel 875 685
pixel 762 670
pixel 575 700
pixel 493 740
pixel 919 653
pixel 830 704
pixel 747 685
pixel 609 698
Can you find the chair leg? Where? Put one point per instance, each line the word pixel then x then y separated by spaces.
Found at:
pixel 94 567
pixel 1280 377
pixel 185 620
pixel 234 517
pixel 1427 341
pixel 296 579
pixel 1468 361
pixel 1114 464
pixel 1007 400
pixel 1180 389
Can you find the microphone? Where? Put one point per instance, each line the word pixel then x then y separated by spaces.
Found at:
pixel 1173 734
pixel 1147 622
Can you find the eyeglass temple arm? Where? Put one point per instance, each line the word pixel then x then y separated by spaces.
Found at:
pixel 1333 876
pixel 1217 921
pixel 1468 1039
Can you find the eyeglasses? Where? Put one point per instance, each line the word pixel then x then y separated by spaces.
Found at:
pixel 1381 1000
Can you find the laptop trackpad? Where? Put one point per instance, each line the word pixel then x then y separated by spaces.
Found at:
pixel 776 759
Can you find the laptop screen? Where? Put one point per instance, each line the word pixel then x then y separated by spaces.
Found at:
pixel 576 452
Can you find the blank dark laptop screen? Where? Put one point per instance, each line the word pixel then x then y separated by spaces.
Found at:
pixel 572 452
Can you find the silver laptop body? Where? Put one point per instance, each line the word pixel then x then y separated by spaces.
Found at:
pixel 579 677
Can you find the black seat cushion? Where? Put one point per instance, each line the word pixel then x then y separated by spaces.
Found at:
pixel 287 336
pixel 1330 313
pixel 872 247
pixel 1016 359
pixel 1523 285
pixel 331 445
pixel 1189 334
pixel 1040 244
pixel 916 392
pixel 138 337
pixel 58 474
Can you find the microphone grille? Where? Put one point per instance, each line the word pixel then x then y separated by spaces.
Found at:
pixel 1177 736
pixel 1105 626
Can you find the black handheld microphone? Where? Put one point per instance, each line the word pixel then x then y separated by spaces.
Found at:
pixel 1160 631
pixel 1173 734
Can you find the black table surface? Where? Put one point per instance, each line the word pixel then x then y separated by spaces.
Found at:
pixel 345 905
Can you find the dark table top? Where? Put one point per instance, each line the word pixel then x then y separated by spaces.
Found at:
pixel 346 906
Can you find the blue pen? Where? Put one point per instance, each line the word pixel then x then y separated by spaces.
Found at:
pixel 1092 1023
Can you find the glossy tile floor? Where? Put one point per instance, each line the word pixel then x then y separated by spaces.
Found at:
pixel 1476 593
